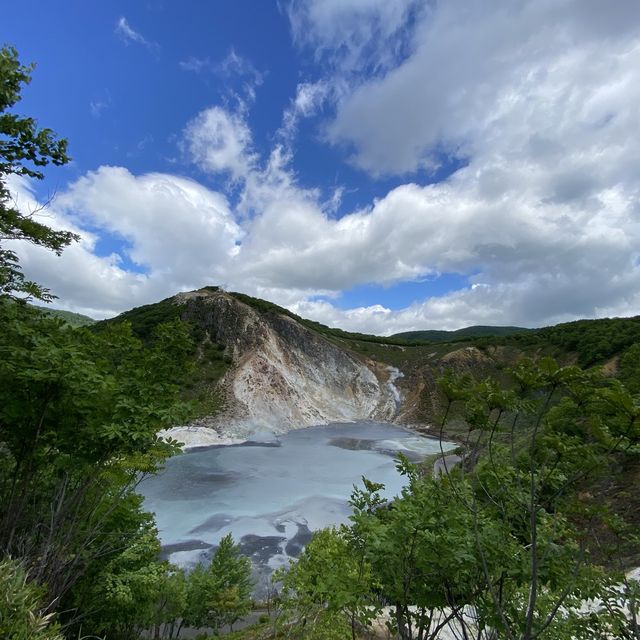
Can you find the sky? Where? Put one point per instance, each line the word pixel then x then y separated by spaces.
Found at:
pixel 377 165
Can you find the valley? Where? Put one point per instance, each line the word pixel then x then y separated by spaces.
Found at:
pixel 322 324
pixel 291 428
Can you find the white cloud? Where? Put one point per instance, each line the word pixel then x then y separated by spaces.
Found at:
pixel 356 35
pixel 542 256
pixel 181 233
pixel 539 97
pixel 129 34
pixel 233 64
pixel 196 65
pixel 240 77
pixel 482 72
pixel 308 100
pixel 220 142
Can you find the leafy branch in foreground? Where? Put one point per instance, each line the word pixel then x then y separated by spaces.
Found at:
pixel 24 150
pixel 501 545
pixel 79 415
pixel 559 430
pixel 21 615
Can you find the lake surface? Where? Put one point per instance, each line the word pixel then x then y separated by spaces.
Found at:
pixel 272 494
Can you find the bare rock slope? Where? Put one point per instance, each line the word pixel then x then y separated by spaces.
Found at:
pixel 283 375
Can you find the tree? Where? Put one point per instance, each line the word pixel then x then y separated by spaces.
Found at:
pixel 423 553
pixel 556 430
pixel 79 416
pixel 219 594
pixel 133 591
pixel 24 150
pixel 416 555
pixel 630 368
pixel 327 593
pixel 499 546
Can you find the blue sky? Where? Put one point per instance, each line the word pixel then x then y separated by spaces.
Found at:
pixel 377 166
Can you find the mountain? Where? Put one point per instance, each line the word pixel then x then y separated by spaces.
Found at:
pixel 280 374
pixel 260 368
pixel 478 331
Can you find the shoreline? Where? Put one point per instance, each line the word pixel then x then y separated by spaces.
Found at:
pixel 193 437
pixel 196 438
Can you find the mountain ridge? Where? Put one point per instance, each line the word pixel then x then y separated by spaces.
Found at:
pixel 474 331
pixel 259 367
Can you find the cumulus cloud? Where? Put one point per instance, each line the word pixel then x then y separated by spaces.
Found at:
pixel 180 233
pixel 481 73
pixel 538 257
pixel 538 97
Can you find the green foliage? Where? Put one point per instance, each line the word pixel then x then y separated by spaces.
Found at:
pixel 219 594
pixel 424 553
pixel 327 593
pixel 21 610
pixel 501 546
pixel 24 150
pixel 144 319
pixel 133 591
pixel 79 414
pixel 70 318
pixel 594 341
pixel 563 428
pixel 630 368
pixel 459 334
pixel 207 360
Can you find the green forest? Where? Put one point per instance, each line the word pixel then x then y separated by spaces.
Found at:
pixel 529 538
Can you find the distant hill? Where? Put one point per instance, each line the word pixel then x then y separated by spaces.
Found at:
pixel 593 341
pixel 72 319
pixel 478 331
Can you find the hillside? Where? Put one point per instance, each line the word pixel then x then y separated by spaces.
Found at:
pixel 260 367
pixel 479 331
pixel 270 371
pixel 72 319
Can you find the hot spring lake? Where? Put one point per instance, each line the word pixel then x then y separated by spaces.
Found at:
pixel 271 495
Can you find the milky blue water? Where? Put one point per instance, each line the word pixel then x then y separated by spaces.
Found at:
pixel 272 495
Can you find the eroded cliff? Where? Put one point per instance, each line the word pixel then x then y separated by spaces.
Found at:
pixel 283 375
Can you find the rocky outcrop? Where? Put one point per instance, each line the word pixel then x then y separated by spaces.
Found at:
pixel 284 375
